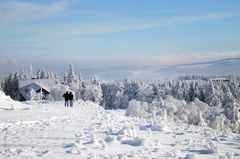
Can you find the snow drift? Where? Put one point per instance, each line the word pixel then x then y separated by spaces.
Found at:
pixel 7 103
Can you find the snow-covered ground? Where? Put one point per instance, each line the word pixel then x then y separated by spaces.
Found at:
pixel 50 130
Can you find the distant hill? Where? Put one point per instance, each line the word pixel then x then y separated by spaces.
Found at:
pixel 219 67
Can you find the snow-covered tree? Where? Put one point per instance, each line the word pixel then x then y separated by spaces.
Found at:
pixel 92 93
pixel 231 106
pixel 1 85
pixel 178 91
pixel 71 77
pixel 10 85
pixel 145 92
pixel 212 95
pixel 131 90
pixel 31 71
pixel 186 88
pixel 65 78
pixel 234 87
pixel 95 80
pixel 15 91
pixel 109 96
pixel 23 76
pixel 44 74
pixel 72 81
pixel 80 78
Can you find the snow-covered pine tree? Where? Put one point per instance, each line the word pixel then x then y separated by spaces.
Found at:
pixel 155 90
pixel 56 76
pixel 44 74
pixel 212 95
pixel 8 84
pixel 1 85
pixel 109 96
pixel 15 91
pixel 234 86
pixel 39 74
pixel 131 90
pixel 231 110
pixel 65 78
pixel 178 91
pixel 23 76
pixel 186 88
pixel 80 78
pixel 145 92
pixel 71 77
pixel 31 72
pixel 200 89
pixel 95 80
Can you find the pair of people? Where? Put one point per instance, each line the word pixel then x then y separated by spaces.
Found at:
pixel 68 96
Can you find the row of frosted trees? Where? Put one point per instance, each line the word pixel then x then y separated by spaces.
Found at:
pixel 117 94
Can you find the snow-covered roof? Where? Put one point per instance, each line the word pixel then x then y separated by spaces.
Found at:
pixel 35 84
pixel 44 83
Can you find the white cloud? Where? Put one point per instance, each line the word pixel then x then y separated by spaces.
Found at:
pixel 50 35
pixel 128 24
pixel 23 11
pixel 204 17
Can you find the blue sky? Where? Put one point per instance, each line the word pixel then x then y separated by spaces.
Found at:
pixel 94 33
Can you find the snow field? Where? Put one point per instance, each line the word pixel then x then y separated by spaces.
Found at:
pixel 50 130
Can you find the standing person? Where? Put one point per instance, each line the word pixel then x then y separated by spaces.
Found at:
pixel 66 97
pixel 71 99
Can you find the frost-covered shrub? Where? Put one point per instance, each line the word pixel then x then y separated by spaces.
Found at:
pixel 172 105
pixel 197 113
pixel 136 108
pixel 92 93
pixel 218 122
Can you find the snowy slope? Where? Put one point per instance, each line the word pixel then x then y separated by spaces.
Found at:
pixel 6 103
pixel 49 130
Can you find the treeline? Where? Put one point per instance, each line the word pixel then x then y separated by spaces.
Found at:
pixel 117 94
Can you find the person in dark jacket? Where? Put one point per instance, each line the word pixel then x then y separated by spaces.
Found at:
pixel 66 97
pixel 71 99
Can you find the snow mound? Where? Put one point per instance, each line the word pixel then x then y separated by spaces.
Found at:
pixel 6 103
pixel 136 141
